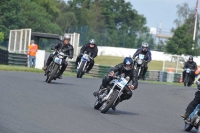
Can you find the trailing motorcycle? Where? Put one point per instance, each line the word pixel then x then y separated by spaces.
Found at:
pixel 187 80
pixel 193 120
pixel 83 64
pixel 139 66
pixel 53 69
pixel 111 94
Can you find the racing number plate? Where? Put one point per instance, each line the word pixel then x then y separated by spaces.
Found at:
pixel 141 56
pixel 188 70
pixel 57 60
pixel 122 82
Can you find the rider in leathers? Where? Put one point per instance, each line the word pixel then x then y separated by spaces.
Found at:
pixel 145 51
pixel 127 68
pixel 66 48
pixel 191 65
pixel 91 48
pixel 192 105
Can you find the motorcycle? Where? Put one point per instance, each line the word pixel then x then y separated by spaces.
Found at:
pixel 54 68
pixel 193 120
pixel 111 94
pixel 83 64
pixel 140 62
pixel 187 81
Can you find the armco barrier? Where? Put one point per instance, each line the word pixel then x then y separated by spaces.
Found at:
pixel 153 75
pixel 17 59
pixel 97 71
pixel 3 57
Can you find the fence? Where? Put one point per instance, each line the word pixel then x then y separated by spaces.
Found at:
pixel 3 57
pixel 97 71
pixel 153 75
pixel 17 59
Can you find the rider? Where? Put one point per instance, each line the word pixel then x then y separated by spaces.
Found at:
pixel 91 47
pixel 145 51
pixel 191 65
pixel 194 103
pixel 66 48
pixel 127 68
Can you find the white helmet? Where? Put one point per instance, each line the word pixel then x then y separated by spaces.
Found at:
pixel 92 41
pixel 67 37
pixel 145 45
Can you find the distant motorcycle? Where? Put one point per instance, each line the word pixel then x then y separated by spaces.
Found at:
pixel 109 95
pixel 83 64
pixel 140 63
pixel 187 81
pixel 193 120
pixel 55 66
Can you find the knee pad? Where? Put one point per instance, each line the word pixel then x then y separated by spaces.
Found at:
pixel 127 95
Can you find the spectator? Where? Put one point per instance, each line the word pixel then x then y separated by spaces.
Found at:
pixel 32 49
pixel 170 69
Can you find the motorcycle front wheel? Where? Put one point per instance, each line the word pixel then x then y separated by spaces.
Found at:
pixel 109 103
pixel 53 72
pixel 188 127
pixel 81 70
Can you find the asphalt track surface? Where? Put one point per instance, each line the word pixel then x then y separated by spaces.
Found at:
pixel 30 105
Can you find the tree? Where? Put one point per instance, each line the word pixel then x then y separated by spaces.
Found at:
pixel 1 37
pixel 181 42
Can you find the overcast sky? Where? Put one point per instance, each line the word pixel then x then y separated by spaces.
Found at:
pixel 159 11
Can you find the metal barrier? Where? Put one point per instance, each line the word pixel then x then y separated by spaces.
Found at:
pixel 152 75
pixel 17 59
pixel 3 57
pixel 97 71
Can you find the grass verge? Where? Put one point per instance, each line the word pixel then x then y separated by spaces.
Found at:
pixel 114 60
pixel 165 83
pixel 35 70
pixel 27 69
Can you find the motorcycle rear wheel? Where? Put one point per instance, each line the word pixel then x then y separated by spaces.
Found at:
pixel 97 105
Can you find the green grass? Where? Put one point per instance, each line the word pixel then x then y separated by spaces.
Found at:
pixel 114 60
pixel 165 83
pixel 4 48
pixel 26 69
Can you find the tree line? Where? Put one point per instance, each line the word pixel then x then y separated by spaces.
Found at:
pixel 110 22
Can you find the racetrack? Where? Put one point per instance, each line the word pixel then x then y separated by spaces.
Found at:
pixel 30 105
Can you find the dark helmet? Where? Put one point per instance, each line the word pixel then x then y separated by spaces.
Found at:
pixel 128 63
pixel 190 58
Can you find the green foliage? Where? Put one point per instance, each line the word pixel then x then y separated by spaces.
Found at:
pixel 181 42
pixel 111 22
pixel 1 37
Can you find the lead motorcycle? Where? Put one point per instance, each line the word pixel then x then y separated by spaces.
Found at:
pixel 83 64
pixel 53 69
pixel 109 95
pixel 193 120
pixel 188 81
pixel 140 62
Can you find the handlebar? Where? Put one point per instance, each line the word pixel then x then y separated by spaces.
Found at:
pixel 188 68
